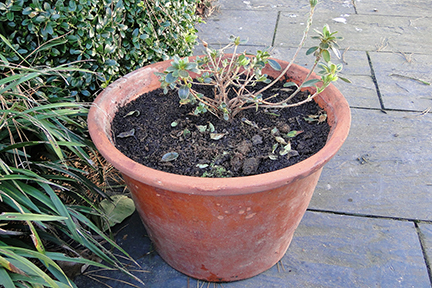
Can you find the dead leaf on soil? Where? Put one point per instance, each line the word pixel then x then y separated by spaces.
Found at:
pixel 127 134
pixel 216 136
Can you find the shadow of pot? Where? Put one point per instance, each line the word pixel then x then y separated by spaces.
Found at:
pixel 217 229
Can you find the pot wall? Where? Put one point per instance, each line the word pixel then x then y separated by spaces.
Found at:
pixel 222 238
pixel 220 229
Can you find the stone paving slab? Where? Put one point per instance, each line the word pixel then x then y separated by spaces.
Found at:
pixel 354 62
pixel 345 6
pixel 342 251
pixel 418 8
pixel 199 49
pixel 362 32
pixel 327 251
pixel 399 92
pixel 257 26
pixel 361 92
pixel 384 168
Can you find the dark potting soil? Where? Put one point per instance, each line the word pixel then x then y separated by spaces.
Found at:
pixel 154 129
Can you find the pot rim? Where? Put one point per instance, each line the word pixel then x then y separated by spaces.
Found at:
pixel 99 122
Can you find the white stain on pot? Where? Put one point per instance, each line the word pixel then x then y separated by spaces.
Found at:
pixel 250 215
pixel 220 217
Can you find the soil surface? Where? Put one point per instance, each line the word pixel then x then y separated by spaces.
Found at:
pixel 155 131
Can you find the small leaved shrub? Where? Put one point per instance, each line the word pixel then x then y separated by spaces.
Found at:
pixel 112 37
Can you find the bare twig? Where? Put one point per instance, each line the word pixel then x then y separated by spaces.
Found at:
pixel 412 78
pixel 383 44
pixel 408 57
pixel 343 55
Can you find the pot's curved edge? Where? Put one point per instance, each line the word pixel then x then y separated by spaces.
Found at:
pixel 111 98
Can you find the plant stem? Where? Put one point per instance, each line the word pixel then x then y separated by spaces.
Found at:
pixel 302 42
pixel 298 88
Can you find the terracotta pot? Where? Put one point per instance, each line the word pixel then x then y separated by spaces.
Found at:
pixel 221 229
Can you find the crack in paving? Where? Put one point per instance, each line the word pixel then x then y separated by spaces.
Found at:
pixel 375 82
pixel 275 30
pixel 393 110
pixel 423 248
pixel 370 216
pixel 354 5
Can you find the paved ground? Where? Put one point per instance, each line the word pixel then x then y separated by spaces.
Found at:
pixel 370 221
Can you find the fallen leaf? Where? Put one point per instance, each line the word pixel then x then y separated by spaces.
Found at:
pixel 117 210
pixel 217 136
pixel 170 156
pixel 127 134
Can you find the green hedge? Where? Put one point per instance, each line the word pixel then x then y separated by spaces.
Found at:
pixel 113 37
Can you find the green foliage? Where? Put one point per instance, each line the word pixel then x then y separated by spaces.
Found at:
pixel 234 75
pixel 328 41
pixel 216 69
pixel 46 198
pixel 112 37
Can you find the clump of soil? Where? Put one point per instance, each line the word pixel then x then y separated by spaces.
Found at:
pixel 158 133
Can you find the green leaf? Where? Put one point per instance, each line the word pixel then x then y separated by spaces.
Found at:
pixel 9 266
pixel 313 3
pixel 27 266
pixel 290 84
pixel 169 78
pixel 336 52
pixel 183 92
pixel 345 79
pixel 20 78
pixel 311 50
pixel 293 133
pixel 117 210
pixel 183 74
pixel 39 19
pixel 191 66
pixel 211 127
pixel 13 216
pixel 310 83
pixel 5 279
pixel 326 55
pixel 274 64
